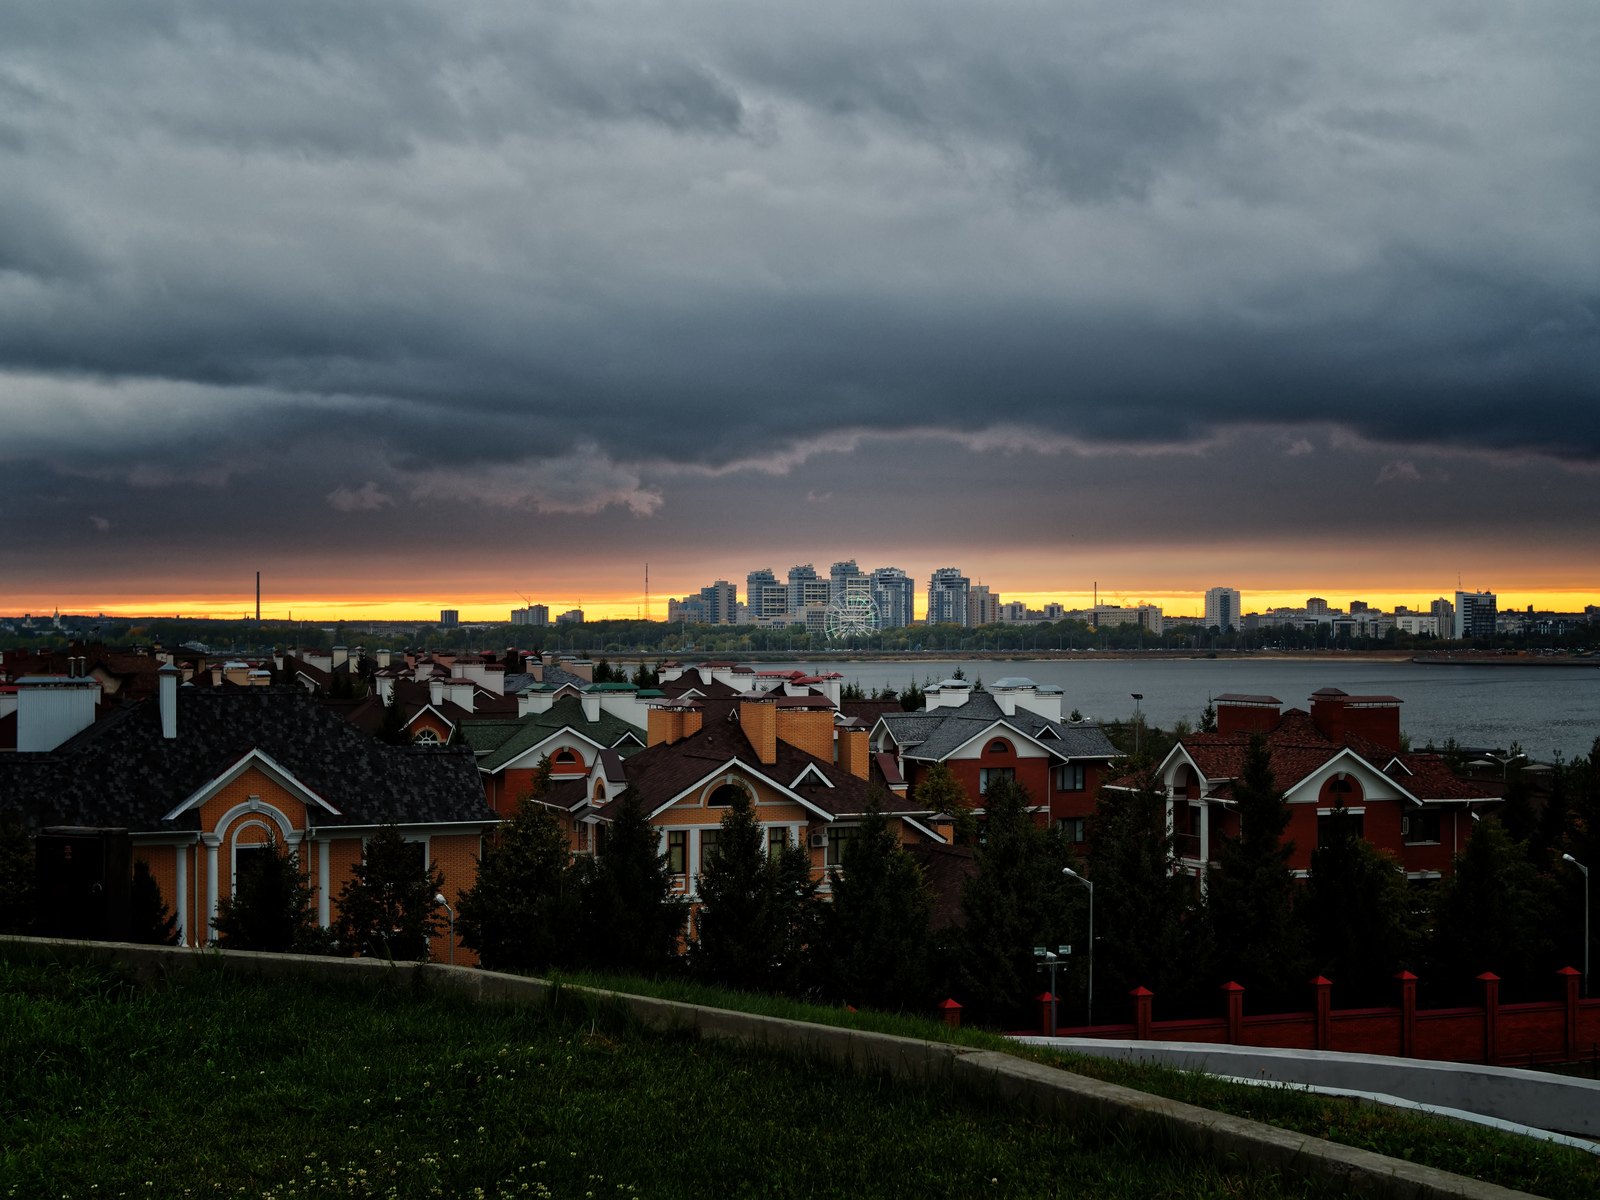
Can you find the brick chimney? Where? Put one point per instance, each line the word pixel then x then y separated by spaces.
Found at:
pixel 1327 713
pixel 664 725
pixel 853 755
pixel 759 720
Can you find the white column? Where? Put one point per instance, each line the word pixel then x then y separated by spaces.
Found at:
pixel 323 916
pixel 182 877
pixel 692 867
pixel 1205 832
pixel 212 841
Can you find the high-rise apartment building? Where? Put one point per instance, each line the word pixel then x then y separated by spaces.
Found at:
pixel 1316 606
pixel 983 607
pixel 766 598
pixel 800 578
pixel 1222 608
pixel 534 614
pixel 1444 617
pixel 1475 614
pixel 847 579
pixel 947 597
pixel 895 594
pixel 721 601
pixel 449 618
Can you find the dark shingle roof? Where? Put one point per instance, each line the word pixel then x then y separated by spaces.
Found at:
pixel 501 741
pixel 122 772
pixel 937 734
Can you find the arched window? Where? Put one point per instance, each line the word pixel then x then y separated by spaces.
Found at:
pixel 426 737
pixel 565 758
pixel 725 795
pixel 999 747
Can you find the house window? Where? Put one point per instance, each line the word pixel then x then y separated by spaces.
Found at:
pixel 840 841
pixel 999 748
pixel 678 851
pixel 565 758
pixel 1420 829
pixel 988 775
pixel 1070 778
pixel 246 857
pixel 777 839
pixel 1354 822
pixel 725 795
pixel 1073 829
pixel 708 846
pixel 426 737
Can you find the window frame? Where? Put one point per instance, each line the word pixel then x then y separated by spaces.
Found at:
pixel 985 774
pixel 840 838
pixel 1072 777
pixel 708 844
pixel 677 851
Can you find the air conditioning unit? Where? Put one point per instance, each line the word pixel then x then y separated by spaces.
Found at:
pixel 819 840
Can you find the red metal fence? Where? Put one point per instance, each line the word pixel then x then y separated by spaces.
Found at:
pixel 1503 1034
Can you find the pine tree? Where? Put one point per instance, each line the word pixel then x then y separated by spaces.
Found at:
pixel 1359 916
pixel 631 920
pixel 1250 892
pixel 16 878
pixel 270 908
pixel 388 909
pixel 521 911
pixel 758 911
pixel 1146 929
pixel 877 934
pixel 941 792
pixel 393 729
pixel 913 698
pixel 1495 912
pixel 1016 900
pixel 149 920
pixel 1208 717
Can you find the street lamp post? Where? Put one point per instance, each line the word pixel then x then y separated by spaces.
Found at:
pixel 1585 871
pixel 1137 696
pixel 1090 885
pixel 1051 960
pixel 439 899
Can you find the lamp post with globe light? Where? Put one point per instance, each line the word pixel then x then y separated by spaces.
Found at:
pixel 439 899
pixel 1585 871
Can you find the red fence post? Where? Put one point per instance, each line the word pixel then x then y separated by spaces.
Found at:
pixel 1141 1012
pixel 1408 1014
pixel 1491 1014
pixel 951 1012
pixel 1570 977
pixel 1324 1003
pixel 1235 1012
pixel 1047 1027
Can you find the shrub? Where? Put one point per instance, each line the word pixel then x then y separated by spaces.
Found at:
pixel 270 908
pixel 149 920
pixel 388 910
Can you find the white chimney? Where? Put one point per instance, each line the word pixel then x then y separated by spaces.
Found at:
pixel 591 706
pixel 531 701
pixel 167 686
pixel 340 657
pixel 435 691
pixel 462 691
pixel 385 687
pixel 383 658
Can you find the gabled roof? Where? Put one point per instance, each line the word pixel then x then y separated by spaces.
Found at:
pixel 498 742
pixel 934 735
pixel 121 771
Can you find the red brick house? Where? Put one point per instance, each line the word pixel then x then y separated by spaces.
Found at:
pixel 1012 730
pixel 1345 750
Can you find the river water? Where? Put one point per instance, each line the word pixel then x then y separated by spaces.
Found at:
pixel 1549 710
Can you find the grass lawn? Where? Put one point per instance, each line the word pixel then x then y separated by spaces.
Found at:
pixel 1506 1159
pixel 213 1086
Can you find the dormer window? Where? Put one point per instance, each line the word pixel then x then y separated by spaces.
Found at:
pixel 565 758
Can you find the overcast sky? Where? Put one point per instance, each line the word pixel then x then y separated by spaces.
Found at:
pixel 390 299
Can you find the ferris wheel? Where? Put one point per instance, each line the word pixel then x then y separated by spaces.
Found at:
pixel 854 615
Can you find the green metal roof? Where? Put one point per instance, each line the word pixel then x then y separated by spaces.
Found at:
pixel 498 742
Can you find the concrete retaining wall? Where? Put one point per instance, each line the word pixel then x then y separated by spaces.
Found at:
pixel 1043 1090
pixel 1527 1097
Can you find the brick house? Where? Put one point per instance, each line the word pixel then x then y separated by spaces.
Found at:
pixel 700 751
pixel 1345 750
pixel 1014 731
pixel 202 775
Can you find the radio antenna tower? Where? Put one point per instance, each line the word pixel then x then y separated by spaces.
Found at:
pixel 647 591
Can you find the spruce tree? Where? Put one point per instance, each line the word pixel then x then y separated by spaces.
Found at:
pixel 393 729
pixel 1147 931
pixel 1016 900
pixel 877 934
pixel 1250 891
pixel 149 919
pixel 388 909
pixel 631 920
pixel 757 911
pixel 941 792
pixel 521 912
pixel 1359 916
pixel 16 878
pixel 1496 913
pixel 270 908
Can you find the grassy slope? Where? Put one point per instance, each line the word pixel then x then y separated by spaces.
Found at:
pixel 216 1087
pixel 1506 1159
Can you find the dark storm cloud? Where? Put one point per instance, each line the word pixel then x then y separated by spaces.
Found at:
pixel 546 257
